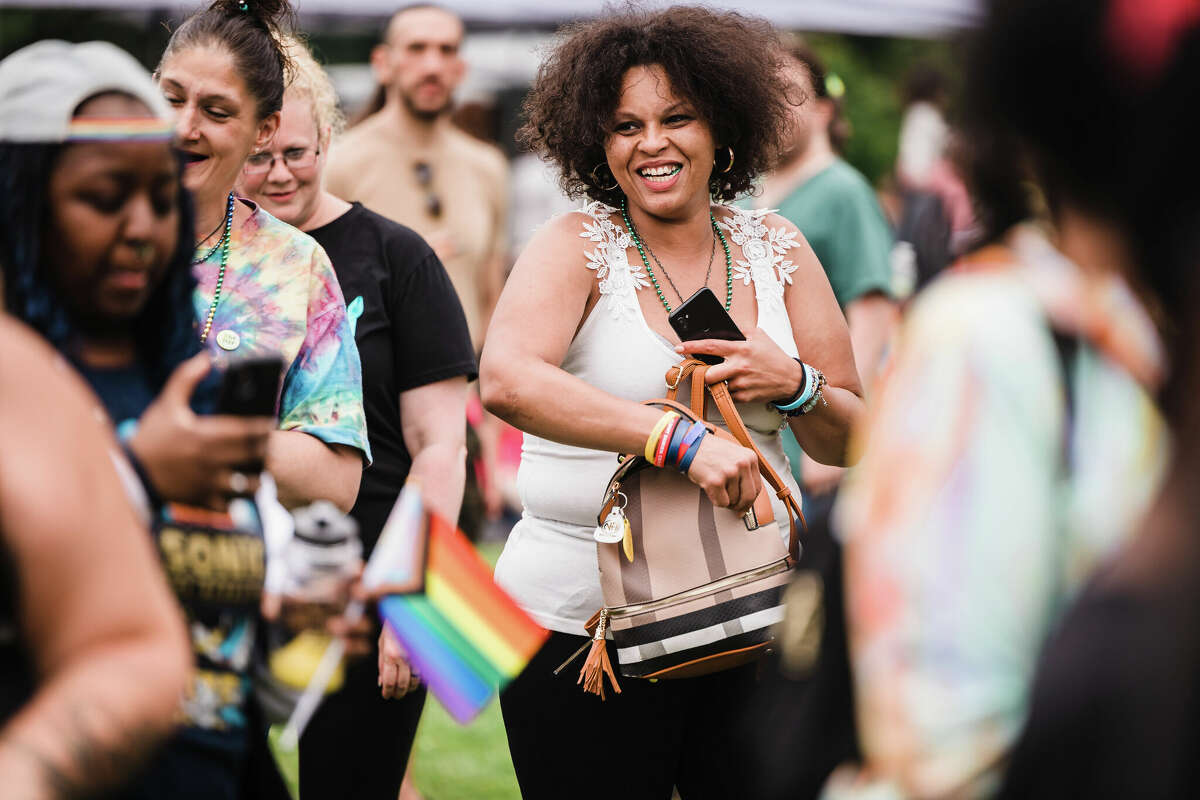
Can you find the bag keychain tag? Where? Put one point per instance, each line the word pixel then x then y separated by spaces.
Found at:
pixel 613 529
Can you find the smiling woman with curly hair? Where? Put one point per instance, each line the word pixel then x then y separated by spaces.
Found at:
pixel 718 62
pixel 659 118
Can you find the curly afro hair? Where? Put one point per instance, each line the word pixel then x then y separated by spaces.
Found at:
pixel 727 65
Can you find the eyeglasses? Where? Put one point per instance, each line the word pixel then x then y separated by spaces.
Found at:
pixel 295 158
pixel 433 203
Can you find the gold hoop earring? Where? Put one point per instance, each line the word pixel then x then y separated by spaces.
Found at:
pixel 596 180
pixel 728 166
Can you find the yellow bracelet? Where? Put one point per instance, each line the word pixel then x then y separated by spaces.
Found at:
pixel 659 427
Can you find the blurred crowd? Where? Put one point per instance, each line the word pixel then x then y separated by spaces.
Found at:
pixel 235 325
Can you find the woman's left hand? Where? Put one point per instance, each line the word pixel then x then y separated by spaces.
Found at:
pixel 396 675
pixel 757 369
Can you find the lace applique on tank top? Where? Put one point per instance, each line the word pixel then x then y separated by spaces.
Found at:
pixel 763 262
pixel 764 250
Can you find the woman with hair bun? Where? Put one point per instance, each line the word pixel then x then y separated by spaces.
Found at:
pixel 263 287
pixel 357 744
pixel 660 119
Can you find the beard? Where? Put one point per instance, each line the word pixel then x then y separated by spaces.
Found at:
pixel 423 113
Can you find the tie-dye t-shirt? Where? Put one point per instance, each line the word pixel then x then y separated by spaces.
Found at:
pixel 281 296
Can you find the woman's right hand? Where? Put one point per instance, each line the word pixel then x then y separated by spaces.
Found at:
pixel 203 460
pixel 727 472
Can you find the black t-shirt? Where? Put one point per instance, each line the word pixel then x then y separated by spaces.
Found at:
pixel 410 330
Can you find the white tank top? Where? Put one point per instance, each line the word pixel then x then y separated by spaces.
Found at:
pixel 549 562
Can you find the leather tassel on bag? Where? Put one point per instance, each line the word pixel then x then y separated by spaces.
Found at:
pixel 597 664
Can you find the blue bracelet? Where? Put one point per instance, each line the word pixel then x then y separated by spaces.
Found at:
pixel 692 436
pixel 676 440
pixel 805 394
pixel 690 455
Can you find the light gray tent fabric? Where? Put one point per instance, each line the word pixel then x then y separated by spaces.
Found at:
pixel 876 17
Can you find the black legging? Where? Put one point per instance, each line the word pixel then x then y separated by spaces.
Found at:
pixel 636 745
pixel 356 745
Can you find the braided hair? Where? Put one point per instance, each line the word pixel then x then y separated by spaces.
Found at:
pixel 163 330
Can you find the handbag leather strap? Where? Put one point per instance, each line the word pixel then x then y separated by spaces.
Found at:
pixel 697 370
pixel 631 463
pixel 681 372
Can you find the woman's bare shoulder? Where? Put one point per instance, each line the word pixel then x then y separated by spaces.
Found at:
pixel 572 234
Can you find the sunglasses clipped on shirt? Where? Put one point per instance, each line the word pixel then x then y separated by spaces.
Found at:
pixel 424 173
pixel 294 157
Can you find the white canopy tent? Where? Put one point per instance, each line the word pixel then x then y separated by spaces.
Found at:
pixel 872 17
pixel 508 38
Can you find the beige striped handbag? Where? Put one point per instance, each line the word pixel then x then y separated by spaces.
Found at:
pixel 692 589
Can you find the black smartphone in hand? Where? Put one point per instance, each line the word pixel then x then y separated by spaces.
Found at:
pixel 250 387
pixel 703 317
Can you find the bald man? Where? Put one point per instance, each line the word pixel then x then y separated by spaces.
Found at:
pixel 407 161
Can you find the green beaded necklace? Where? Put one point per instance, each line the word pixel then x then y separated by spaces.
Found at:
pixel 223 246
pixel 637 240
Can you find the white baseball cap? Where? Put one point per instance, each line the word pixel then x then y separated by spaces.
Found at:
pixel 41 86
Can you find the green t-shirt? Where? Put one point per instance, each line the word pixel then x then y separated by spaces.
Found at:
pixel 838 214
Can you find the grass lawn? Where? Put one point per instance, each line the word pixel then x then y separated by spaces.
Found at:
pixel 452 761
pixel 457 762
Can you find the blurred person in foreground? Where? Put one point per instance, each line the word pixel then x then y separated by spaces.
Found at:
pixel 97 258
pixel 1016 443
pixel 417 359
pixel 660 119
pixel 93 653
pixel 1115 711
pixel 263 287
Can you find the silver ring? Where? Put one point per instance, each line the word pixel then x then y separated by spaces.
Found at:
pixel 238 483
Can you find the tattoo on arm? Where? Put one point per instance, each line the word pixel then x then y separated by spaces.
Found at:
pixel 96 758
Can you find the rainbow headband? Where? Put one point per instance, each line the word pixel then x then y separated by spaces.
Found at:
pixel 110 129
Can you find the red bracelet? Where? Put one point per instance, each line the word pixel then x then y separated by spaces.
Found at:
pixel 664 441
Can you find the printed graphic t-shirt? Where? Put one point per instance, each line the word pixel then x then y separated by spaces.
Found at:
pixel 215 565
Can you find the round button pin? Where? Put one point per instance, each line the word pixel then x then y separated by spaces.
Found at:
pixel 228 340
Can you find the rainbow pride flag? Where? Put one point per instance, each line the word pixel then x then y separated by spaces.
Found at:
pixel 464 635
